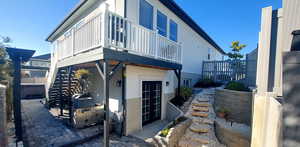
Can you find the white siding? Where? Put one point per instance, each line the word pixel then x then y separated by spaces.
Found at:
pixel 291 21
pixel 195 48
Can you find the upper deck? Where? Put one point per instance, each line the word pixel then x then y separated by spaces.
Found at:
pixel 111 31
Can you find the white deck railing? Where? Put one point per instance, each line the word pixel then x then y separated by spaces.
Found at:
pixel 115 32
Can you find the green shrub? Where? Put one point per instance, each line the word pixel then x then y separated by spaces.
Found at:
pixel 223 110
pixel 186 92
pixel 165 132
pixel 207 83
pixel 236 86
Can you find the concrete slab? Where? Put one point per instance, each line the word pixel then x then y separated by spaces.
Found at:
pixel 150 130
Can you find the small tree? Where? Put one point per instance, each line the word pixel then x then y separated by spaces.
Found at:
pixel 236 47
pixel 235 55
pixel 6 73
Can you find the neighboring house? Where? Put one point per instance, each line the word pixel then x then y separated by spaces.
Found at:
pixel 34 76
pixel 149 38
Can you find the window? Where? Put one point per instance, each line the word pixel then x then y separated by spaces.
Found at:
pixel 173 30
pixel 162 24
pixel 146 14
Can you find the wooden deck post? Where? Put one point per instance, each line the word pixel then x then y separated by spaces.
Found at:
pixel 124 98
pixel 106 103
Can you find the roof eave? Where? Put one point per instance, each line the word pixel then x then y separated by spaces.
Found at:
pixel 78 6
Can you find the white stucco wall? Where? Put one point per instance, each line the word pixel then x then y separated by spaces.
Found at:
pixel 115 91
pixel 135 75
pixel 195 48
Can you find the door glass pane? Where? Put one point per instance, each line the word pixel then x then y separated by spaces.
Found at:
pixel 162 24
pixel 173 30
pixel 146 14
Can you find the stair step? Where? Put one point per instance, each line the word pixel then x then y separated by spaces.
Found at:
pixel 202 109
pixel 200 138
pixel 200 104
pixel 199 114
pixel 203 100
pixel 200 128
pixel 203 121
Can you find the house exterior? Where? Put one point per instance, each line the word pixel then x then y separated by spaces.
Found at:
pixel 33 77
pixel 135 51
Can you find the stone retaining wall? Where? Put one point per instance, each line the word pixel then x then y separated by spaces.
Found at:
pixel 175 133
pixel 3 137
pixel 237 135
pixel 238 103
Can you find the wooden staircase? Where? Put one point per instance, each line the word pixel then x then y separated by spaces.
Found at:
pixel 64 86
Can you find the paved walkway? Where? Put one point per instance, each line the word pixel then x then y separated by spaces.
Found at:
pixel 41 129
pixel 201 132
pixel 44 130
pixel 115 141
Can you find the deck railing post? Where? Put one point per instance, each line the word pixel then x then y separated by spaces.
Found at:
pixel 156 44
pixel 73 41
pixel 104 25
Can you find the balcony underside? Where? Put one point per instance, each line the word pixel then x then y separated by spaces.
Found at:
pixel 119 56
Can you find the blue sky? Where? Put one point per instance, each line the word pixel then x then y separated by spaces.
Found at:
pixel 29 22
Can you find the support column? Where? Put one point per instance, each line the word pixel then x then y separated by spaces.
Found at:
pixel 179 82
pixel 106 103
pixel 124 98
pixel 17 98
pixel 178 75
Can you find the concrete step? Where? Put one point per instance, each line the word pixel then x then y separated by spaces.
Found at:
pixel 192 139
pixel 202 109
pixel 189 143
pixel 203 104
pixel 203 121
pixel 199 114
pixel 203 100
pixel 200 128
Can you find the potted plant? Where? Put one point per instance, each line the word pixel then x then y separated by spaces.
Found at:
pixel 82 75
pixel 222 112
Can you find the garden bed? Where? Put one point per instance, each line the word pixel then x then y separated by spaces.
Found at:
pixel 171 134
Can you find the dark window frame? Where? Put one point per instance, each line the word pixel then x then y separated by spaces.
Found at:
pixel 143 17
pixel 162 30
pixel 172 36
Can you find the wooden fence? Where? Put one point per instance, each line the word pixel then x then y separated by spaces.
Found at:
pixel 224 70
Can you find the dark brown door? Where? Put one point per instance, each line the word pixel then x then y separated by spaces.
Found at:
pixel 151 101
